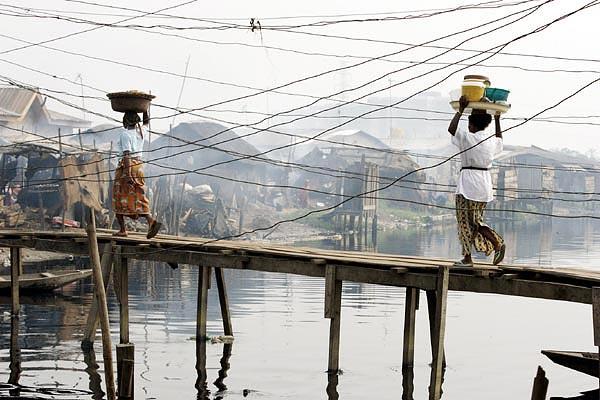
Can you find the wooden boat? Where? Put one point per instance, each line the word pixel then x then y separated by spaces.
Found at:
pixel 45 281
pixel 577 360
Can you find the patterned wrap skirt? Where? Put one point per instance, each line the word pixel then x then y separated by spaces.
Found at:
pixel 469 216
pixel 130 198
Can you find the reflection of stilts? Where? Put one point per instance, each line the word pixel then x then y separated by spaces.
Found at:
pixel 15 353
pixel 203 286
pixel 201 384
pixel 332 382
pixel 89 358
pixel 408 385
pixel 224 367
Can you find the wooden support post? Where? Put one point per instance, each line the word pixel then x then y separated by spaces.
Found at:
pixel 596 319
pixel 125 370
pixel 431 309
pixel 223 301
pixel 102 306
pixel 121 278
pixel 333 305
pixel 203 284
pixel 435 384
pixel 92 320
pixel 410 312
pixel 16 268
pixel 540 385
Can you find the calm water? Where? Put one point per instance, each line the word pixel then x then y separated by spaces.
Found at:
pixel 280 350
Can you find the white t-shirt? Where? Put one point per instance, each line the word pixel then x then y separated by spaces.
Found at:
pixel 474 184
pixel 130 139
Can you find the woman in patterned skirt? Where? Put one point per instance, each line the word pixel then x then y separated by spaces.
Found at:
pixel 129 195
pixel 474 187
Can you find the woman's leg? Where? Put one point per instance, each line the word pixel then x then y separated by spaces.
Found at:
pixel 486 231
pixel 465 234
pixel 122 229
pixel 486 240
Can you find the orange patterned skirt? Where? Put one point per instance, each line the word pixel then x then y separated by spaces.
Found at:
pixel 130 198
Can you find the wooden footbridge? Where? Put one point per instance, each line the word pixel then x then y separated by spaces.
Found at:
pixel 434 276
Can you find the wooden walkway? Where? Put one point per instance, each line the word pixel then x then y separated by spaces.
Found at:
pixel 435 276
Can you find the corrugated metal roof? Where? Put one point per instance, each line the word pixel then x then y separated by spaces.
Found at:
pixel 7 113
pixel 15 101
pixel 64 119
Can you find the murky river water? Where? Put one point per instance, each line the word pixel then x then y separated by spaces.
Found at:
pixel 280 350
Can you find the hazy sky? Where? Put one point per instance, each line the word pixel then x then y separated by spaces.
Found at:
pixel 406 45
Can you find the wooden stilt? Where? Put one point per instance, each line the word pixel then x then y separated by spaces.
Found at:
pixel 102 306
pixel 431 309
pixel 92 320
pixel 16 268
pixel 203 284
pixel 540 385
pixel 223 301
pixel 435 384
pixel 125 370
pixel 410 312
pixel 121 278
pixel 333 305
pixel 596 319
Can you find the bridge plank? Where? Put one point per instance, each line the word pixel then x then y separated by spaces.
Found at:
pixel 561 282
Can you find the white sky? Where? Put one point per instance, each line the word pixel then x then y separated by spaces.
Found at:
pixel 225 63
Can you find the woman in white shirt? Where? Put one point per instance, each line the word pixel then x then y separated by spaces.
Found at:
pixel 474 187
pixel 129 194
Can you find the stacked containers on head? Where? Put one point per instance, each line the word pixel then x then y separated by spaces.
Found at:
pixel 473 87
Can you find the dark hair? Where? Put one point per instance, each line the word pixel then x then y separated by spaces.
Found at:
pixel 480 121
pixel 130 119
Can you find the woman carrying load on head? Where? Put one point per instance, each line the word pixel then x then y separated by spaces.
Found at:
pixel 474 187
pixel 129 195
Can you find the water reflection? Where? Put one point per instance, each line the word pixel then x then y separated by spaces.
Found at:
pixel 201 384
pixel 408 383
pixel 332 383
pixel 219 382
pixel 202 377
pixel 589 395
pixel 15 356
pixel 89 358
pixel 279 325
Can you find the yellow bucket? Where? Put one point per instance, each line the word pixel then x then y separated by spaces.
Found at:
pixel 473 90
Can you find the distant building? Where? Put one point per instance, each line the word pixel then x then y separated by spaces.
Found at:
pixel 537 177
pixel 339 151
pixel 24 111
